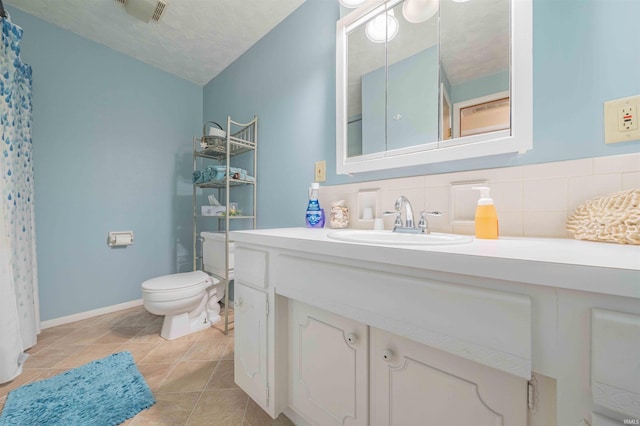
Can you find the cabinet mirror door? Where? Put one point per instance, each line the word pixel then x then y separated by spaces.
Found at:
pixel 408 68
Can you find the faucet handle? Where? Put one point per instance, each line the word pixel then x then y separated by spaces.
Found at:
pixel 398 221
pixel 424 224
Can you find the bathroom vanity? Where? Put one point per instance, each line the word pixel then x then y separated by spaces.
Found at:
pixel 512 331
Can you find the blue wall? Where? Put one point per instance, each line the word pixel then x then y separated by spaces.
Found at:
pixel 412 94
pixel 578 63
pixel 287 79
pixel 112 152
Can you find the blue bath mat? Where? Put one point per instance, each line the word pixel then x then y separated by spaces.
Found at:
pixel 105 392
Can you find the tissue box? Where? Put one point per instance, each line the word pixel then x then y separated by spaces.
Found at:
pixel 213 210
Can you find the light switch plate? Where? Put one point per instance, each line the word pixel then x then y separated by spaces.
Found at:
pixel 613 131
pixel 320 171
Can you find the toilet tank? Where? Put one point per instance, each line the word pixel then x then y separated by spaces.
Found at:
pixel 213 253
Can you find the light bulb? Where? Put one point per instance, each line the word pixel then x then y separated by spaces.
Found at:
pixel 417 11
pixel 351 4
pixel 382 27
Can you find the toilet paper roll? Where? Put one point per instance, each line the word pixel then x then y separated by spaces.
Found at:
pixel 122 240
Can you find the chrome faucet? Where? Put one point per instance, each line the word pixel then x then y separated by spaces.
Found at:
pixel 423 225
pixel 403 202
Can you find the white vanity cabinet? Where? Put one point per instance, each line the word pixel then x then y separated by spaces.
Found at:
pixel 328 369
pixel 250 345
pixel 252 369
pixel 336 333
pixel 414 384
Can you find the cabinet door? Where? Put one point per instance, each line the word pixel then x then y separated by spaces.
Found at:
pixel 250 350
pixel 328 367
pixel 414 384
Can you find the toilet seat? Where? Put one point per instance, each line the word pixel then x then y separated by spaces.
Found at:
pixel 176 286
pixel 173 282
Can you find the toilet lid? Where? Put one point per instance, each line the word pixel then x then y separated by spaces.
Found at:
pixel 176 281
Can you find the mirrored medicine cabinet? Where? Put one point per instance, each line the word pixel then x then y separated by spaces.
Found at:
pixel 425 81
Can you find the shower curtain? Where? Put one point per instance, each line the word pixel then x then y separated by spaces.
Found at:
pixel 19 311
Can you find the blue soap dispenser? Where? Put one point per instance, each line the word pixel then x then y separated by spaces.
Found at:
pixel 315 215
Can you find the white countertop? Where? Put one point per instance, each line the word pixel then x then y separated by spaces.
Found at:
pixel 579 265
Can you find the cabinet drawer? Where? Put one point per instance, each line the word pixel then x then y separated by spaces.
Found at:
pixel 486 326
pixel 251 266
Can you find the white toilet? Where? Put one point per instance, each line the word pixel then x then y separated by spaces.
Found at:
pixel 188 301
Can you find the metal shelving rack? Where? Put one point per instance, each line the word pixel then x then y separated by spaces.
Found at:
pixel 240 138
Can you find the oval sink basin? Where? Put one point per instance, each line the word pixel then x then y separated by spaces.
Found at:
pixel 398 238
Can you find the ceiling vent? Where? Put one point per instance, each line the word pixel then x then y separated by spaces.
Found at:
pixel 144 10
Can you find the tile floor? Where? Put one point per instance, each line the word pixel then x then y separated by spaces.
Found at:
pixel 191 377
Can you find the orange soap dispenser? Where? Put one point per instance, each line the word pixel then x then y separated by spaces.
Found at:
pixel 486 216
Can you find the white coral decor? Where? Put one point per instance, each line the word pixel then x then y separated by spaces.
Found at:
pixel 614 218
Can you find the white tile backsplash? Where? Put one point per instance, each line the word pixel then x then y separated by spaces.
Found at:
pixel 585 188
pixel 571 168
pixel 630 181
pixel 510 224
pixel 545 224
pixel 545 195
pixel 507 196
pixel 532 200
pixel 616 164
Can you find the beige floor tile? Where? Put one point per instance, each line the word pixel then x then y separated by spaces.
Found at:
pixel 169 409
pixel 120 334
pixel 88 354
pixel 119 317
pixel 167 352
pixel 50 356
pixel 50 335
pixel 219 408
pixel 138 350
pixel 149 334
pixel 189 376
pixel 211 333
pixel 256 416
pixel 139 318
pixel 82 336
pixel 222 377
pixel 36 348
pixel 229 352
pixel 155 374
pixel 208 350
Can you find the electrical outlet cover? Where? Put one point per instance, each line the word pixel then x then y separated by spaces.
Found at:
pixel 621 120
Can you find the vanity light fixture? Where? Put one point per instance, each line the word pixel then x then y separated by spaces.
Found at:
pixel 417 11
pixel 460 1
pixel 383 27
pixel 351 4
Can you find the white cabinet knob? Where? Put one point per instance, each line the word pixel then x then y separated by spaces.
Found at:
pixel 352 338
pixel 238 303
pixel 387 355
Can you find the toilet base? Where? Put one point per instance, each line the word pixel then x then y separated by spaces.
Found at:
pixel 175 326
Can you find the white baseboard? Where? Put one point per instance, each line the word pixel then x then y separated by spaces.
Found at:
pixel 89 314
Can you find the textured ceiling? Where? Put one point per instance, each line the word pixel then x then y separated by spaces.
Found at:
pixel 195 39
pixel 474 38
